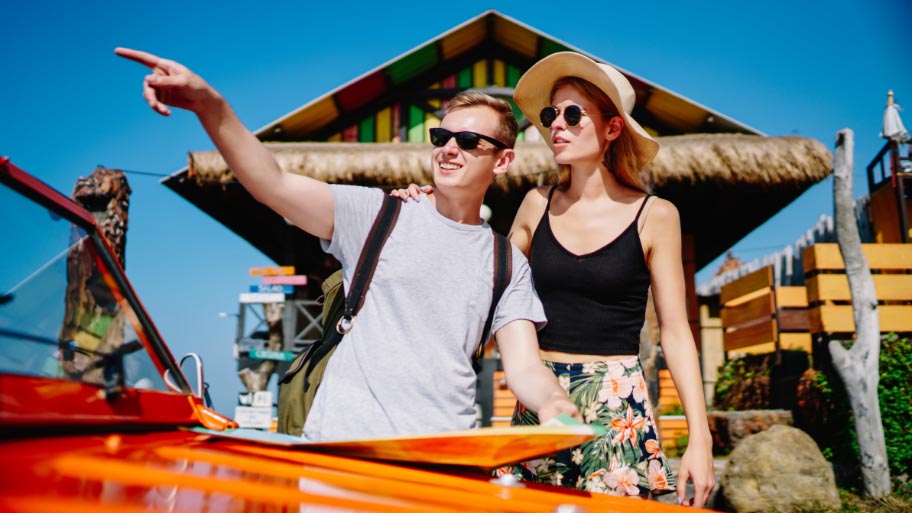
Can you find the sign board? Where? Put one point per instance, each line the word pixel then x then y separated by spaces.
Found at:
pixel 265 288
pixel 266 354
pixel 261 297
pixel 253 417
pixel 255 399
pixel 247 343
pixel 272 271
pixel 296 279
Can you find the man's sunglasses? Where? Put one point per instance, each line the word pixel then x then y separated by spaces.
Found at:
pixel 572 115
pixel 465 140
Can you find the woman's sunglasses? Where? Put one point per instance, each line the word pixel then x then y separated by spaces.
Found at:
pixel 465 140
pixel 572 115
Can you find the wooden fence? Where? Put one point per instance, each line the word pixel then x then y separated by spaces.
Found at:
pixel 787 263
pixel 760 316
pixel 830 310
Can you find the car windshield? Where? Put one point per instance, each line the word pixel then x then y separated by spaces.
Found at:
pixel 62 314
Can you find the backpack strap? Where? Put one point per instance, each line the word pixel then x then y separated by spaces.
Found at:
pixel 503 273
pixel 367 262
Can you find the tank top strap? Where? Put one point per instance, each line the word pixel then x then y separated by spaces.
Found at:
pixel 640 211
pixel 550 195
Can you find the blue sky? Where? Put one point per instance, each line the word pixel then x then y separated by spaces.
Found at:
pixel 67 103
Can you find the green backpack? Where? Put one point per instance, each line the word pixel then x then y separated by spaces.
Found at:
pixel 298 387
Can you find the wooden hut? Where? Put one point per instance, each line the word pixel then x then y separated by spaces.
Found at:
pixel 725 177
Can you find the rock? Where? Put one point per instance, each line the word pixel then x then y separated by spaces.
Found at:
pixel 780 469
pixel 728 428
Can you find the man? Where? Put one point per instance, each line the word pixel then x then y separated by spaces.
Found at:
pixel 405 367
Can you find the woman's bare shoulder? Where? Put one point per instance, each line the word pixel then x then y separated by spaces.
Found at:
pixel 535 201
pixel 661 211
pixel 539 194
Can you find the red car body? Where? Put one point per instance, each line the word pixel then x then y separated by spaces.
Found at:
pixel 78 436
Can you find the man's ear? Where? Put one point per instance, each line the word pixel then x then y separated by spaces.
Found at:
pixel 613 128
pixel 504 160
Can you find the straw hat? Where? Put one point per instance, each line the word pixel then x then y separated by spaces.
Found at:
pixel 533 93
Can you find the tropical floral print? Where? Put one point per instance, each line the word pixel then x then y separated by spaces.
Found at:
pixel 626 461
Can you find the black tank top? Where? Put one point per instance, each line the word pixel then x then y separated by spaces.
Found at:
pixel 595 303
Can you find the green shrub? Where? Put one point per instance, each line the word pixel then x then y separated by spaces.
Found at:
pixel 895 391
pixel 673 409
pixel 743 384
pixel 760 381
pixel 677 450
pixel 825 413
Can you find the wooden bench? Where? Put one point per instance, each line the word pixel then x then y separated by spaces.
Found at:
pixel 759 316
pixel 828 287
pixel 504 401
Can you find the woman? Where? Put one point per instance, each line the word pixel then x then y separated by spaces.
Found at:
pixel 596 242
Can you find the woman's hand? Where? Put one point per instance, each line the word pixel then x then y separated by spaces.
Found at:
pixel 412 192
pixel 696 467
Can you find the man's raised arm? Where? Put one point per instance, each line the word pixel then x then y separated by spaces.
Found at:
pixel 308 203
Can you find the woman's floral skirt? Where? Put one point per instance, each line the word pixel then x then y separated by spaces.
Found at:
pixel 626 461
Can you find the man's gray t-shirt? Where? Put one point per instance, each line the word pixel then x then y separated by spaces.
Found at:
pixel 406 365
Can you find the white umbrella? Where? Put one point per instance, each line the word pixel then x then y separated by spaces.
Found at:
pixel 892 125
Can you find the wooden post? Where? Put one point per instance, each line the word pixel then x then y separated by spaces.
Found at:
pixel 688 256
pixel 106 194
pixel 649 350
pixel 858 366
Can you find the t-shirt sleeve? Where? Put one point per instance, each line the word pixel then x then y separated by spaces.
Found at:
pixel 519 300
pixel 354 211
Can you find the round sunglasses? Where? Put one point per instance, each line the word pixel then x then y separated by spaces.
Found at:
pixel 572 115
pixel 465 140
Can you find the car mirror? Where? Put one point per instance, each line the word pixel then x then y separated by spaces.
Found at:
pixel 202 388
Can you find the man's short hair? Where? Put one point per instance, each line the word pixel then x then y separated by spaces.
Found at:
pixel 506 129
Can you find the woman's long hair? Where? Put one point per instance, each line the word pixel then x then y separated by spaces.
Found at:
pixel 620 157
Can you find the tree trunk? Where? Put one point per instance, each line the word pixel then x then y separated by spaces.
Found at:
pixel 257 380
pixel 858 366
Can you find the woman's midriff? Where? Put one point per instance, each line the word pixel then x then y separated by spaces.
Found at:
pixel 557 356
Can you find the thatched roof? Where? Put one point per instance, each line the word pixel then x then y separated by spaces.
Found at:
pixel 724 185
pixel 685 159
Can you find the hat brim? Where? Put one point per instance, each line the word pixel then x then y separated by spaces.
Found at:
pixel 533 93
